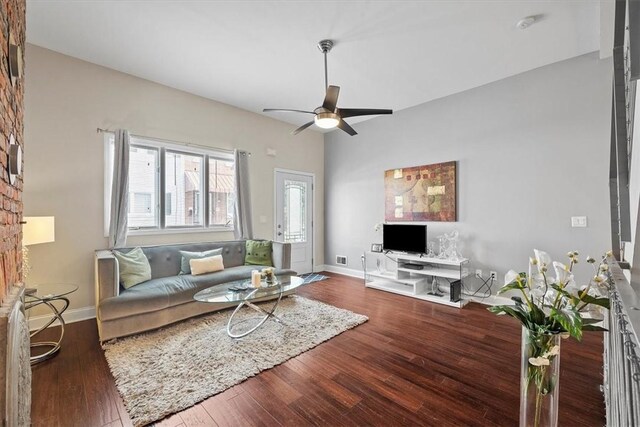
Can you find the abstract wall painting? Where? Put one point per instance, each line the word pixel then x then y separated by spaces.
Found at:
pixel 421 193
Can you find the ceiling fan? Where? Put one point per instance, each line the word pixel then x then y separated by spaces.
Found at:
pixel 328 115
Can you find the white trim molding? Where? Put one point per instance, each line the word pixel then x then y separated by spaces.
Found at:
pixel 70 316
pixel 342 270
pixel 490 300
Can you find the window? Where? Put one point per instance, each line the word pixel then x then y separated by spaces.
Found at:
pixel 140 203
pixel 221 191
pixel 183 180
pixel 167 183
pixel 143 187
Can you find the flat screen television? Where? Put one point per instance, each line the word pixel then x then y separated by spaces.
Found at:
pixel 404 238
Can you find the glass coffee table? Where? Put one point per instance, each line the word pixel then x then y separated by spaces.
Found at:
pixel 228 293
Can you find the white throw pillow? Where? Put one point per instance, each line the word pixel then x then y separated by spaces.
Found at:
pixel 206 265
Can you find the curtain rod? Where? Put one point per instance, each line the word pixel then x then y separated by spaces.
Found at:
pixel 187 144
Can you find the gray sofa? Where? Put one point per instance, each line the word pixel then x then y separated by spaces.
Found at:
pixel 168 296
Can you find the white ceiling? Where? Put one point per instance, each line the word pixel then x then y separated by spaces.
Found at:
pixel 257 54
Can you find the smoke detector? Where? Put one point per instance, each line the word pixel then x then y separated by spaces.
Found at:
pixel 525 23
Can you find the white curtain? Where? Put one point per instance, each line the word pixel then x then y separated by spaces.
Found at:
pixel 243 226
pixel 119 191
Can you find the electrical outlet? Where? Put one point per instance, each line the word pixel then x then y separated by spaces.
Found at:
pixel 341 260
pixel 479 274
pixel 493 275
pixel 578 221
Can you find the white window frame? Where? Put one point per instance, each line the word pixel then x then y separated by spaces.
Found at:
pixel 143 145
pixel 163 147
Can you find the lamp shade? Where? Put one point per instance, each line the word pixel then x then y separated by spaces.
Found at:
pixel 38 229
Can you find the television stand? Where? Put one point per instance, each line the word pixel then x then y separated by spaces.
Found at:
pixel 395 272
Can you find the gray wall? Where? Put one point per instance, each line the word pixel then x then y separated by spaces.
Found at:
pixel 532 151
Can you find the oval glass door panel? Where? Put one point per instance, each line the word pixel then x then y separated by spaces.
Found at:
pixel 295 230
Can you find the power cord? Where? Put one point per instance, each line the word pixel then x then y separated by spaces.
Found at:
pixel 488 283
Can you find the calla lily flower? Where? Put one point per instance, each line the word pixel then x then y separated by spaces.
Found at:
pixel 550 296
pixel 553 351
pixel 539 361
pixel 537 280
pixel 511 277
pixel 571 287
pixel 562 273
pixel 542 258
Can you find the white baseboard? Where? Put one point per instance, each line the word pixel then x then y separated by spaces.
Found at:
pixel 490 300
pixel 343 270
pixel 70 316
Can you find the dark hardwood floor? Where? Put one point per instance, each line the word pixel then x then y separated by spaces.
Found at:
pixel 412 363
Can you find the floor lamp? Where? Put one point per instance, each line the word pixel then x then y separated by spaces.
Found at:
pixel 36 230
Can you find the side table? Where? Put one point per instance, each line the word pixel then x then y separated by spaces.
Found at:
pixel 53 296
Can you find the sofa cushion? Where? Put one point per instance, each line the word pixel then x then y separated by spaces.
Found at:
pixel 185 266
pixel 161 293
pixel 165 260
pixel 134 267
pixel 258 253
pixel 206 265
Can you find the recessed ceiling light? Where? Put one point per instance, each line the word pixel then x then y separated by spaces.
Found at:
pixel 526 22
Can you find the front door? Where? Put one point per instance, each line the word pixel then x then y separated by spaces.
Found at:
pixel 294 217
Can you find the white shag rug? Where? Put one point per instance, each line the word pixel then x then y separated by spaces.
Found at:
pixel 165 371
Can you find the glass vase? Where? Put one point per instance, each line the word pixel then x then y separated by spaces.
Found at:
pixel 540 373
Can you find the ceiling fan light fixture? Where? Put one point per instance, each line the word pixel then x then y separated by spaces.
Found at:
pixel 327 120
pixel 328 115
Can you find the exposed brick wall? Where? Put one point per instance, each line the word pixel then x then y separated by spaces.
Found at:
pixel 12 21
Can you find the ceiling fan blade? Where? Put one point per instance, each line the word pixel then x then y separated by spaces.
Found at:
pixel 301 128
pixel 353 112
pixel 285 110
pixel 345 127
pixel 331 98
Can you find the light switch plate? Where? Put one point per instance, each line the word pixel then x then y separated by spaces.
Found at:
pixel 578 221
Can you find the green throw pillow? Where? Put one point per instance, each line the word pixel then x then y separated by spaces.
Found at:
pixel 185 267
pixel 134 267
pixel 258 253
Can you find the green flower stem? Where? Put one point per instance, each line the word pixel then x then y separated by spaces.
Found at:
pixel 536 421
pixel 526 298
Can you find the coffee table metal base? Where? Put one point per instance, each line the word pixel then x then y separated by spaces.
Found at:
pixel 267 314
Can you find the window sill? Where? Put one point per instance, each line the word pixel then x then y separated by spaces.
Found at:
pixel 180 231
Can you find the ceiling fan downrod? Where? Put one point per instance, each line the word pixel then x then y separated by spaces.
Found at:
pixel 325 47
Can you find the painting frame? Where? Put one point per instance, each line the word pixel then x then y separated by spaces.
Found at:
pixel 422 193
